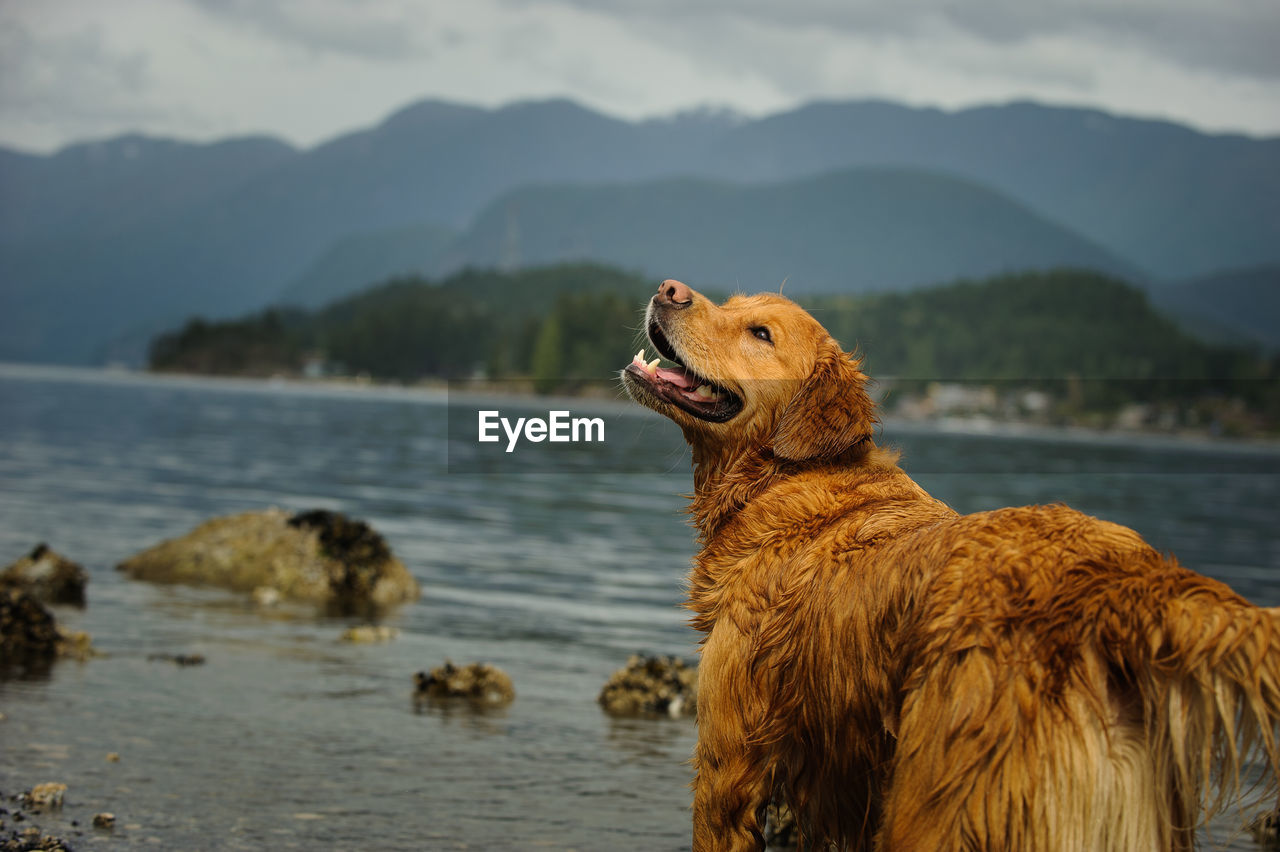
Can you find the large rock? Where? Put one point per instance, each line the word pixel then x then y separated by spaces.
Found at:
pixel 652 686
pixel 318 556
pixel 46 575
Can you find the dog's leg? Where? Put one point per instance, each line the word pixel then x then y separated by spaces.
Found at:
pixel 730 792
pixel 733 781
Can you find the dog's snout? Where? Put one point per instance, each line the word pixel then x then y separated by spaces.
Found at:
pixel 673 293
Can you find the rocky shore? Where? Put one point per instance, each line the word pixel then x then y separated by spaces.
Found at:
pixel 17 834
pixel 313 557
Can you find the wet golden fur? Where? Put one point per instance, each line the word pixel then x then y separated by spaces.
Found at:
pixel 910 679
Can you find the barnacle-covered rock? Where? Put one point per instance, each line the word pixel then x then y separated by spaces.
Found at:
pixel 28 632
pixel 478 683
pixel 47 795
pixel 652 686
pixel 319 556
pixel 30 639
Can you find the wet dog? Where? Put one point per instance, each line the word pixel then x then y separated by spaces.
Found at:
pixel 907 678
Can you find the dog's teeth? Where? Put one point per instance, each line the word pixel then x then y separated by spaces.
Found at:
pixel 652 366
pixel 639 359
pixel 705 392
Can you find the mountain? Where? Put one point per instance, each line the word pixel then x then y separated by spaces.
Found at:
pixel 1239 306
pixel 108 188
pixel 353 263
pixel 856 230
pixel 65 296
pixel 107 237
pixel 97 239
pixel 1172 200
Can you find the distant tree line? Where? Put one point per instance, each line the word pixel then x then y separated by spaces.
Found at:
pixel 1074 332
pixel 1070 331
pixel 559 326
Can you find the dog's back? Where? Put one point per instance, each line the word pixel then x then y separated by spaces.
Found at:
pixel 1073 689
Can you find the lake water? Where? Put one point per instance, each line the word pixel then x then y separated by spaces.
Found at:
pixel 288 739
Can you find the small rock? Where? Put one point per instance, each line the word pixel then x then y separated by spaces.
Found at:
pixel 113 757
pixel 780 830
pixel 652 686
pixel 47 795
pixel 479 683
pixel 369 633
pixel 104 820
pixel 48 576
pixel 179 659
pixel 1266 830
pixel 76 644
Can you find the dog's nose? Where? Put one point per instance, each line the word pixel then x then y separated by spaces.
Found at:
pixel 672 292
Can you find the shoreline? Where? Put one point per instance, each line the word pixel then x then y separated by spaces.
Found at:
pixel 439 392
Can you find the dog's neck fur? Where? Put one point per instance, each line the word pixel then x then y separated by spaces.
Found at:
pixel 723 485
pixel 726 481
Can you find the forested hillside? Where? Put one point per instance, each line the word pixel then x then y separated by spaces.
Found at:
pixel 577 318
pixel 1079 336
pixel 1082 336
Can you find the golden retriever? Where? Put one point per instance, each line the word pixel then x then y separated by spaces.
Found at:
pixel 907 678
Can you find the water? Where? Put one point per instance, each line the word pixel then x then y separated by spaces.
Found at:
pixel 288 739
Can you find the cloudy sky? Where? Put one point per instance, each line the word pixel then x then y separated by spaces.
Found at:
pixel 306 70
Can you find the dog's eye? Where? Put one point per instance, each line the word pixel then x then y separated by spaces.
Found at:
pixel 762 333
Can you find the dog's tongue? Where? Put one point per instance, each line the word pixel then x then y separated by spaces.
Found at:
pixel 676 377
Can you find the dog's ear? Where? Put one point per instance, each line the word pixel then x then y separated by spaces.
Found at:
pixel 829 414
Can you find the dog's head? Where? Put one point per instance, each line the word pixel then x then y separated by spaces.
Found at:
pixel 755 372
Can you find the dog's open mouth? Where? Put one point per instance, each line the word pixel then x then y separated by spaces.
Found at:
pixel 681 386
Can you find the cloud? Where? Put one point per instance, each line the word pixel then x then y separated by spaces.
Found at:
pixel 309 69
pixel 374 30
pixel 73 80
pixel 923 57
pixel 1228 36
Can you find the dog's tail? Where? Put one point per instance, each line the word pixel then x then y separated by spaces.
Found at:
pixel 1206 666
